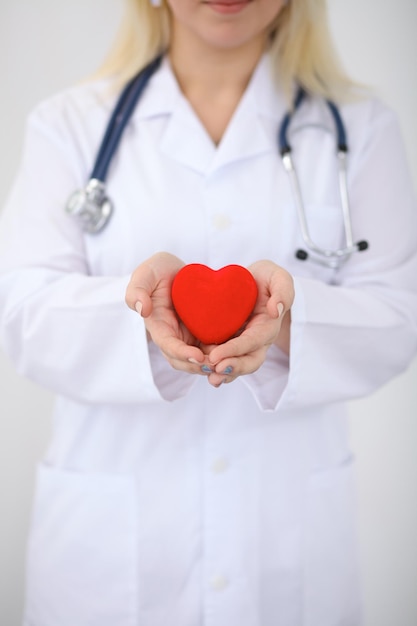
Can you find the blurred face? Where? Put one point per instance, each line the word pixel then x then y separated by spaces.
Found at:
pixel 224 24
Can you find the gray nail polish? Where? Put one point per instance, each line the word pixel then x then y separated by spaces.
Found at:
pixel 206 369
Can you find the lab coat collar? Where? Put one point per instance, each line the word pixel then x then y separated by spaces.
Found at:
pixel 262 99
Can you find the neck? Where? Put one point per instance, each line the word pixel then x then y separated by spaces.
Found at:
pixel 201 68
pixel 213 79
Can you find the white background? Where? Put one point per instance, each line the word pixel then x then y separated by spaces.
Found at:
pixel 47 45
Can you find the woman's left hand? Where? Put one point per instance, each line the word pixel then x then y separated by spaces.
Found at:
pixel 269 324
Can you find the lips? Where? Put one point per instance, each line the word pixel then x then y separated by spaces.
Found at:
pixel 227 2
pixel 227 6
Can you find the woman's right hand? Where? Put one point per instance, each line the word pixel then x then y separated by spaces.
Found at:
pixel 149 293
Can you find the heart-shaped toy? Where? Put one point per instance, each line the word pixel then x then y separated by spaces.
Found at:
pixel 214 304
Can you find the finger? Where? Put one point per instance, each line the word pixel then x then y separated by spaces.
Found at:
pixel 185 366
pixel 138 299
pixel 281 296
pixel 216 380
pixel 277 283
pixel 191 365
pixel 241 366
pixel 146 278
pixel 276 309
pixel 175 349
pixel 248 342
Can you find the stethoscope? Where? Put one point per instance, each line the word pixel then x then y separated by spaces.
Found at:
pixel 92 208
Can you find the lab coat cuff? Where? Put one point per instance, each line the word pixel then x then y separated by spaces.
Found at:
pixel 170 383
pixel 274 385
pixel 140 386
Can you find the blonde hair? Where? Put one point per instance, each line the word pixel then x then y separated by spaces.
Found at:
pixel 301 47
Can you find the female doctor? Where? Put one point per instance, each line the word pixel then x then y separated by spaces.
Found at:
pixel 188 484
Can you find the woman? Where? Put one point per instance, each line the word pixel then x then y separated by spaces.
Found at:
pixel 189 484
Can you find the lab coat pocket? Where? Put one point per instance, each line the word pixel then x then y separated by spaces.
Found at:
pixel 81 556
pixel 331 572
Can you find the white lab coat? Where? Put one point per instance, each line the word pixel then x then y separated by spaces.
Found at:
pixel 163 501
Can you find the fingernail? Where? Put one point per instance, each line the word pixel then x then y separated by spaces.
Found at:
pixel 206 369
pixel 280 308
pixel 228 370
pixel 193 361
pixel 138 307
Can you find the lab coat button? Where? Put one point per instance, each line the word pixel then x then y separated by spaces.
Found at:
pixel 219 583
pixel 219 466
pixel 221 222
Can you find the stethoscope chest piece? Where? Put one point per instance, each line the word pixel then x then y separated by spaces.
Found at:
pixel 90 207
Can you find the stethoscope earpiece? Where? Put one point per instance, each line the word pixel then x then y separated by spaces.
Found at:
pixel 301 255
pixel 333 259
pixel 362 245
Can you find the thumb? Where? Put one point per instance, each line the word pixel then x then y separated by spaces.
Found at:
pixel 138 299
pixel 143 302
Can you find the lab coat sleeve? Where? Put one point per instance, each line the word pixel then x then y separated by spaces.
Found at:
pixel 350 337
pixel 63 328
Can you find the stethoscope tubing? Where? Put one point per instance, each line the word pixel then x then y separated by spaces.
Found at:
pixel 119 119
pixel 330 258
pixel 93 208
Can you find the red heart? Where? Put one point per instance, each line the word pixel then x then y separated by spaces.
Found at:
pixel 214 304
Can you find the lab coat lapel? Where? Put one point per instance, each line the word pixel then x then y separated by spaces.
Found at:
pixel 183 139
pixel 245 138
pixel 249 131
pixel 186 141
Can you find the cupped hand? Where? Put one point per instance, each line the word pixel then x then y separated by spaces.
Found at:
pixel 269 324
pixel 149 293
